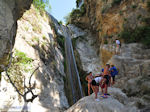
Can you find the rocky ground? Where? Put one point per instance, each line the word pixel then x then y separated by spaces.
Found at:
pixel 110 104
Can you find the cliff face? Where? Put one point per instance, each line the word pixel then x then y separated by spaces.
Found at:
pixel 10 12
pixel 35 46
pixel 127 20
pixel 109 17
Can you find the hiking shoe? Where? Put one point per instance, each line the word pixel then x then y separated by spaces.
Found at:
pixel 97 100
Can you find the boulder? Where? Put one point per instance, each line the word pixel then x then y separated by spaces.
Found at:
pixel 88 104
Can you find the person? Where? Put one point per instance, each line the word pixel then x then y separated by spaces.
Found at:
pixel 89 78
pixel 96 83
pixel 106 78
pixel 114 72
pixel 118 45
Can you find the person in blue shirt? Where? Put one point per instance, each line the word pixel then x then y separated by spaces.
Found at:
pixel 114 72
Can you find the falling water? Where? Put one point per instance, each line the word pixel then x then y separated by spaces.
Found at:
pixel 81 3
pixel 72 70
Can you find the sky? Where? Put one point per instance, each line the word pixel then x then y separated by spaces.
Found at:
pixel 61 8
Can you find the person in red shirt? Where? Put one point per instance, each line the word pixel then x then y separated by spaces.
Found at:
pixel 89 78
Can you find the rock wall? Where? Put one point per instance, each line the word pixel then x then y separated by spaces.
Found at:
pixel 38 41
pixel 107 19
pixel 10 12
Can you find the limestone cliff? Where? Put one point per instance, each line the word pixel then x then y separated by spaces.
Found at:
pixel 127 20
pixel 10 12
pixel 35 46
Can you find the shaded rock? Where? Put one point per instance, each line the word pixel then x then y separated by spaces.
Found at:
pixel 10 12
pixel 35 38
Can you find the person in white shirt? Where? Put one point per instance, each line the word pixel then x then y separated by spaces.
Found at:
pixel 96 83
pixel 118 45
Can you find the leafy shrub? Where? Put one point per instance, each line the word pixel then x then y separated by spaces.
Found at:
pixel 35 39
pixel 121 13
pixel 105 42
pixel 134 6
pixel 139 16
pixel 22 58
pixel 148 4
pixel 75 14
pixel 20 64
pixel 60 22
pixel 41 4
pixel 78 3
pixel 78 12
pixel 140 34
pixel 44 37
pixel 117 2
pixel 146 20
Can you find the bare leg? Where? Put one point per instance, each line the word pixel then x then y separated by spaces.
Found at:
pixel 89 85
pixel 96 90
pixel 106 86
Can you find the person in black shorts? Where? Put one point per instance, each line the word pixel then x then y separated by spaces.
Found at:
pixel 106 76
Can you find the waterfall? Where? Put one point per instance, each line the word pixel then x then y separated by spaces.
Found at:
pixel 72 71
pixel 81 3
pixel 72 67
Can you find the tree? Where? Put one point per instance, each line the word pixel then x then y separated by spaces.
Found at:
pixel 42 4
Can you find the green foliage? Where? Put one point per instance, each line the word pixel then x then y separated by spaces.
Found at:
pixel 146 20
pixel 44 37
pixel 20 64
pixel 37 28
pixel 125 19
pixel 22 58
pixel 103 10
pixel 121 13
pixel 116 2
pixel 139 16
pixel 76 13
pixel 134 6
pixel 36 39
pixel 148 4
pixel 60 22
pixel 105 42
pixel 61 42
pixel 41 4
pixel 140 34
pixel 77 3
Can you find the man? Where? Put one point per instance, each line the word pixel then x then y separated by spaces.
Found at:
pixel 106 77
pixel 114 72
pixel 118 45
pixel 89 78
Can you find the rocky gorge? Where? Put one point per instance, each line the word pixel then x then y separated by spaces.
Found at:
pixel 37 43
